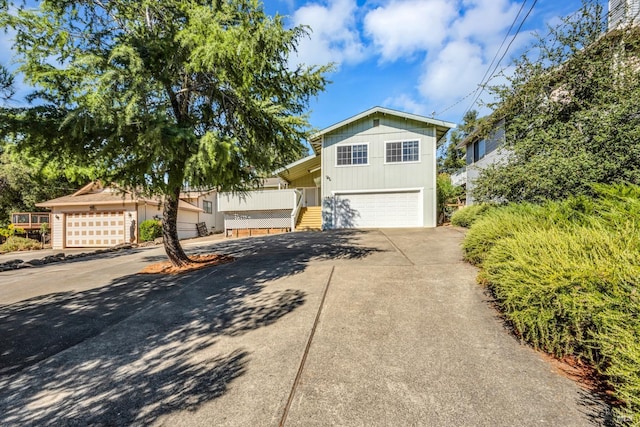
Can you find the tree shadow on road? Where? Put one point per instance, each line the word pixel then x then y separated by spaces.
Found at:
pixel 144 346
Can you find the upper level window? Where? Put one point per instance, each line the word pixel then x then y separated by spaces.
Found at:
pixel 402 151
pixel 357 154
pixel 479 150
pixel 207 206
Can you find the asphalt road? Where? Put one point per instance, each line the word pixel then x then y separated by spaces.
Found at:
pixel 380 327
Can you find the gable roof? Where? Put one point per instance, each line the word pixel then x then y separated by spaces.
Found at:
pixel 95 193
pixel 442 127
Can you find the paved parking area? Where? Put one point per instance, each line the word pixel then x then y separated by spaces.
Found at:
pixel 379 327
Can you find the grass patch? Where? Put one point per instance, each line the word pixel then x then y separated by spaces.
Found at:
pixel 565 275
pixel 15 243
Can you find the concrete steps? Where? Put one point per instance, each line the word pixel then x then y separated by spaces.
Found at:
pixel 310 218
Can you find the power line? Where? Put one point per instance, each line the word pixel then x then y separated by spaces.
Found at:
pixel 474 91
pixel 502 44
pixel 483 83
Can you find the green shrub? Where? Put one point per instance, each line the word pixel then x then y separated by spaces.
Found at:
pixel 499 223
pixel 574 291
pixel 446 193
pixel 15 243
pixel 10 230
pixel 150 229
pixel 466 216
pixel 565 274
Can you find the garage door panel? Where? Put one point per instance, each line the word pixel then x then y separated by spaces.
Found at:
pixel 95 229
pixel 373 210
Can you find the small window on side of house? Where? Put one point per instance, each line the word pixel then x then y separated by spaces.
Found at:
pixel 376 123
pixel 207 206
pixel 479 148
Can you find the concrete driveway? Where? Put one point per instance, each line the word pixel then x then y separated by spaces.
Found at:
pixel 350 328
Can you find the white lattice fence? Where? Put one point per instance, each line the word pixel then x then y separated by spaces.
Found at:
pixel 257 219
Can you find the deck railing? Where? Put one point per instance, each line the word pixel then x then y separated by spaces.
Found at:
pixel 259 200
pixel 30 220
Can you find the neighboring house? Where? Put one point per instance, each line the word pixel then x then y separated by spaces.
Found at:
pixel 102 216
pixel 480 153
pixel 207 201
pixel 623 12
pixel 376 169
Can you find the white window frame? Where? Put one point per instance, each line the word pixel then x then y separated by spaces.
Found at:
pixel 386 143
pixel 351 165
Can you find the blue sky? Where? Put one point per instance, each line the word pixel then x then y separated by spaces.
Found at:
pixel 418 56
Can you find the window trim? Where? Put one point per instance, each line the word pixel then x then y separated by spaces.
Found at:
pixel 352 164
pixel 402 141
pixel 204 206
pixel 476 150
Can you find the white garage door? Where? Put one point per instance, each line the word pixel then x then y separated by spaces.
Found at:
pixel 384 210
pixel 95 229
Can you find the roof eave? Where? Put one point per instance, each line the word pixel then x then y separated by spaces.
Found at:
pixel 381 110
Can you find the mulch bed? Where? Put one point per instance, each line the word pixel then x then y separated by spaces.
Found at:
pixel 197 262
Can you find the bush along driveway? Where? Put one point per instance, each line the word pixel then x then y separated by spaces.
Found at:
pixel 566 277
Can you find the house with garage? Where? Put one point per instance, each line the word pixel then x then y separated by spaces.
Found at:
pixel 375 169
pixel 102 216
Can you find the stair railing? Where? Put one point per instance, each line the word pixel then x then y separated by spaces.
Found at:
pixel 297 203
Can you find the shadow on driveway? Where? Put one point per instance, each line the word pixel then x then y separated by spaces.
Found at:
pixel 143 346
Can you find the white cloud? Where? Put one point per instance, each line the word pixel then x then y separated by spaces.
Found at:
pixel 404 102
pixel 456 40
pixel 334 36
pixel 485 18
pixel 455 70
pixel 402 28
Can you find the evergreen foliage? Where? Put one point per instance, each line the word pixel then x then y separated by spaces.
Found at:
pixel 161 94
pixel 26 180
pixel 571 113
pixel 565 275
pixel 6 83
pixel 466 216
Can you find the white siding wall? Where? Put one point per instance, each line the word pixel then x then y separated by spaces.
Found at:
pixel 186 224
pixel 146 211
pixel 621 12
pixel 57 228
pixel 257 200
pixel 214 220
pixel 377 175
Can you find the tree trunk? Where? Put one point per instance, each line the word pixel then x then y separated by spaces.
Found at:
pixel 170 230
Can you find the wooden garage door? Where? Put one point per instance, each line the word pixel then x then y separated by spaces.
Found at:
pixel 95 229
pixel 379 210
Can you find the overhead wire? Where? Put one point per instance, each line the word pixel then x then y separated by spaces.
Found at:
pixel 474 91
pixel 483 84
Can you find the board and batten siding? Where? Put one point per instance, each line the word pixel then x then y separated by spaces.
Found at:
pixel 378 175
pixel 306 181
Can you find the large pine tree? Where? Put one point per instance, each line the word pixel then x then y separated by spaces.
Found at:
pixel 158 94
